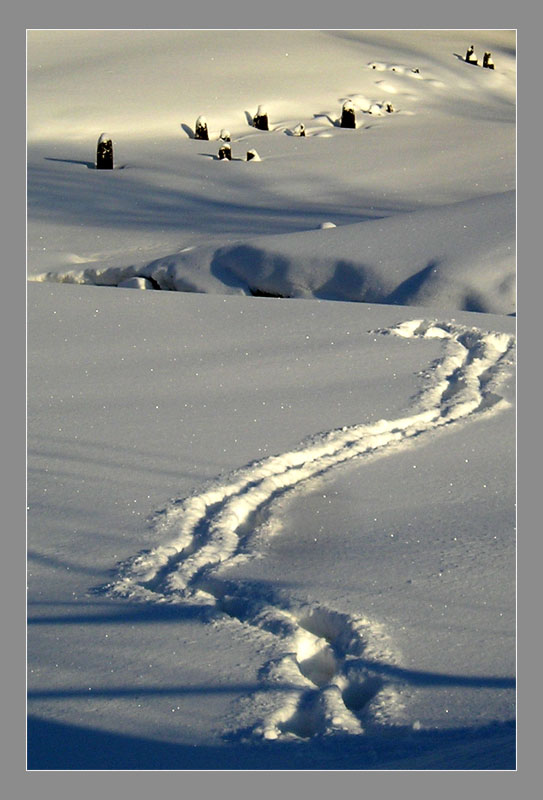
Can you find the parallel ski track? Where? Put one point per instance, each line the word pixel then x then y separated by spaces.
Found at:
pixel 329 688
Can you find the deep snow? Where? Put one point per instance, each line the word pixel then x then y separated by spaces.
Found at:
pixel 171 210
pixel 271 533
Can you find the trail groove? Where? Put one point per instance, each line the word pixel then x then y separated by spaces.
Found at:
pixel 321 648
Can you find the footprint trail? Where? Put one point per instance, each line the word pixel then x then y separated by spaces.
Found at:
pixel 330 689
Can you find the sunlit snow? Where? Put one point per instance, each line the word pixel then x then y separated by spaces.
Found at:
pixel 271 517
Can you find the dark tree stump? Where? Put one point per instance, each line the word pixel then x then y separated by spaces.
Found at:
pixel 224 135
pixel 487 61
pixel 471 58
pixel 348 119
pixel 260 119
pixel 299 130
pixel 200 130
pixel 104 152
pixel 225 152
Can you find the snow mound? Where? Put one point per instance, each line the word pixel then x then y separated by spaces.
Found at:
pixel 461 257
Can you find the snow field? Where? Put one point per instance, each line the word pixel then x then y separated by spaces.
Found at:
pixel 452 253
pixel 214 530
pixel 347 602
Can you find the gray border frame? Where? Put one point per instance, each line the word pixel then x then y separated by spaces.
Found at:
pixel 417 14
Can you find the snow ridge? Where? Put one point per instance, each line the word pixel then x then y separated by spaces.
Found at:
pixel 330 687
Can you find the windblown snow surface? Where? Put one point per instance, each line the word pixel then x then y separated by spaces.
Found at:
pixel 271 506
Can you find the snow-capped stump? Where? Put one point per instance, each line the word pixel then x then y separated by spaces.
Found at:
pixel 487 61
pixel 471 58
pixel 299 130
pixel 135 283
pixel 104 152
pixel 200 130
pixel 260 119
pixel 348 119
pixel 389 108
pixel 224 135
pixel 252 155
pixel 225 152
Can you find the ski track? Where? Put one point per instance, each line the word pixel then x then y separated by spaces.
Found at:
pixel 323 685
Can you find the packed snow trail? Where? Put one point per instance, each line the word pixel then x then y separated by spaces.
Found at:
pixel 324 683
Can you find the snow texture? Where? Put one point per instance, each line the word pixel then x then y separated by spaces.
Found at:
pixel 271 497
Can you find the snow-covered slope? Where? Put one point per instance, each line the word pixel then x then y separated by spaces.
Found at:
pixel 251 518
pixel 271 533
pixel 422 197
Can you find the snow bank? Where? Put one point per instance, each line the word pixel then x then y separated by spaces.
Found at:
pixel 460 257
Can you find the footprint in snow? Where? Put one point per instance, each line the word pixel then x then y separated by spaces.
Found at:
pixel 332 687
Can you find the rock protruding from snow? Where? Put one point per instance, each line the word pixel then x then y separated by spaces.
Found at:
pixel 252 155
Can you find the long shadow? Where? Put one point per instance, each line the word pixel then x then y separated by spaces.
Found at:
pixel 58 563
pixel 105 461
pixel 259 264
pixel 334 122
pixel 100 454
pixel 135 203
pixel 349 280
pixel 144 614
pixel 425 678
pixel 407 290
pixel 88 164
pixel 155 691
pixel 61 746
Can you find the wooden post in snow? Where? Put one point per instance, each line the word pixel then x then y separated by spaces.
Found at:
pixel 225 152
pixel 487 61
pixel 260 119
pixel 471 58
pixel 104 152
pixel 348 119
pixel 200 130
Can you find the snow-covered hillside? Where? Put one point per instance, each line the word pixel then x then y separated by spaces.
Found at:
pixel 271 510
pixel 422 197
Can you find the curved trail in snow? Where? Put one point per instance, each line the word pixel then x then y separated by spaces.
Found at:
pixel 329 688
